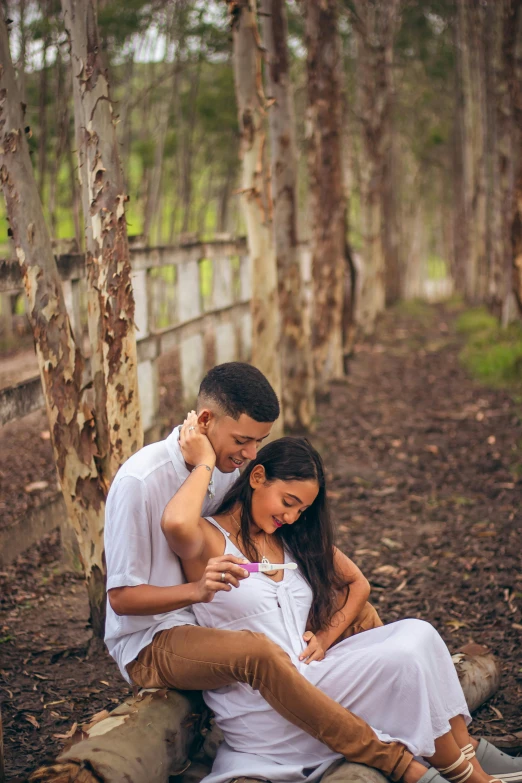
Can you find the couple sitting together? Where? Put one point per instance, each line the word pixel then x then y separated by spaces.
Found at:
pixel 295 664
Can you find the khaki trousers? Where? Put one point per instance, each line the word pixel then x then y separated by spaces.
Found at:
pixel 193 658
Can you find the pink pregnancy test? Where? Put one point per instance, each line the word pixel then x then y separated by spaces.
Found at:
pixel 254 568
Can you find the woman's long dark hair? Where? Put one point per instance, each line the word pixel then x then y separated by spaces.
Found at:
pixel 310 539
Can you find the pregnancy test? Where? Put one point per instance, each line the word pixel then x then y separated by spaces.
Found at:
pixel 254 568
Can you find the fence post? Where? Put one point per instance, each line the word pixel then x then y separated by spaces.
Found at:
pixel 245 289
pixel 226 337
pixel 148 378
pixel 191 349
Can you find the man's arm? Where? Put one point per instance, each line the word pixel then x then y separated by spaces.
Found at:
pixel 148 599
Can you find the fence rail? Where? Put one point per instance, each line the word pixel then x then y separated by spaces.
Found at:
pixel 187 297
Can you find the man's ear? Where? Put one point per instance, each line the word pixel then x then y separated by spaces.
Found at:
pixel 205 416
pixel 257 477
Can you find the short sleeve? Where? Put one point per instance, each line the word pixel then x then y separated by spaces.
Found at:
pixel 127 534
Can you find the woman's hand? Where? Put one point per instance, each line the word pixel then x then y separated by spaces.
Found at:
pixel 314 651
pixel 195 446
pixel 212 582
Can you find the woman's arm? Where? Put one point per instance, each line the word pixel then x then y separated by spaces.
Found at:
pixel 181 522
pixel 358 593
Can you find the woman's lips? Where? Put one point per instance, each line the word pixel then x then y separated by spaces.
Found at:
pixel 277 522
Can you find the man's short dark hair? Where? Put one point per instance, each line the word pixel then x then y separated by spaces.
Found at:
pixel 239 388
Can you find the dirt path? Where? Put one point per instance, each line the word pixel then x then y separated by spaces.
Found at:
pixel 427 500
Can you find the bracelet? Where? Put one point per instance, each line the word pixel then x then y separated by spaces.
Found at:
pixel 201 465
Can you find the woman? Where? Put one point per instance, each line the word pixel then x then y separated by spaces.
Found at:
pixel 399 678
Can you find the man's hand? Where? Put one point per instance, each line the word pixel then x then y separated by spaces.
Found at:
pixel 195 446
pixel 212 582
pixel 314 650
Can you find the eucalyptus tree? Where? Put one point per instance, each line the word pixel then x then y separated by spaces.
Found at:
pixel 71 418
pixel 327 207
pixel 255 190
pixel 296 357
pixel 112 335
pixel 375 24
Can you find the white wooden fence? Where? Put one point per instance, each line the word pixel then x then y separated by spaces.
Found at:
pixel 203 298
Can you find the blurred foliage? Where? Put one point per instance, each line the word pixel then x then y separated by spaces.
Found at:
pixel 179 53
pixel 476 321
pixel 491 353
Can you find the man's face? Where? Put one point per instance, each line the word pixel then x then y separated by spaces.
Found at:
pixel 235 441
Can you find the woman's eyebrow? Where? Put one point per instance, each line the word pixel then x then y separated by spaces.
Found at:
pixel 294 497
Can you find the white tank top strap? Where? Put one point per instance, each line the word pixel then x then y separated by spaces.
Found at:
pixel 230 547
pixel 216 524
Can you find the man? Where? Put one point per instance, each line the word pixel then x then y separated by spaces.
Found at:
pixel 151 631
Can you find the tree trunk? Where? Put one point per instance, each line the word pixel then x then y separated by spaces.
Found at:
pixel 188 152
pixel 513 55
pixel 375 26
pixel 71 421
pixel 61 142
pixel 326 192
pixel 296 357
pixel 135 741
pixel 256 201
pixel 20 71
pixel 42 112
pixel 111 302
pixel 503 52
pixel 460 205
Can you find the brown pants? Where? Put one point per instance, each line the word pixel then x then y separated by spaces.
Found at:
pixel 193 658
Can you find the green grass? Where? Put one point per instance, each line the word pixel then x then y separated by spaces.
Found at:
pixel 491 354
pixel 476 321
pixel 437 268
pixel 415 308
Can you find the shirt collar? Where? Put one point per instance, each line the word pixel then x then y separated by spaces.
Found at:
pixel 174 450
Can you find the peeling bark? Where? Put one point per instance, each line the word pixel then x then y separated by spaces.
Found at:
pixel 256 200
pixel 327 201
pixel 71 421
pixel 296 356
pixel 111 303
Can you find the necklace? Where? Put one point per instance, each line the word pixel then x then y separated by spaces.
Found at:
pixel 264 558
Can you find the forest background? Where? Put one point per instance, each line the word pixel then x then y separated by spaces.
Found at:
pixel 172 85
pixel 406 118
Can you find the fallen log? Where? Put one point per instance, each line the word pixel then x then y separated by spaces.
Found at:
pixel 144 740
pixel 479 674
pixel 154 736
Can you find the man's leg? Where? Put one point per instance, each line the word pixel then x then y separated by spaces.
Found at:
pixel 195 658
pixel 367 619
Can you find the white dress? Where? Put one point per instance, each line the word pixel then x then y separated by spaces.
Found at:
pixel 400 678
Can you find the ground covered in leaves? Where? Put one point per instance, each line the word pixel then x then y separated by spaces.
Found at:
pixel 424 468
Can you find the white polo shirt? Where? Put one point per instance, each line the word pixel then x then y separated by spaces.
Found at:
pixel 136 551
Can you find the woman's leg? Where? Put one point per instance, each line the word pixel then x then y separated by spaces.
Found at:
pixel 453 758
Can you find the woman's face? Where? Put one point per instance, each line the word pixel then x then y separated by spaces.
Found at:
pixel 279 503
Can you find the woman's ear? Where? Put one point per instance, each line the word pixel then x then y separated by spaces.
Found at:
pixel 257 477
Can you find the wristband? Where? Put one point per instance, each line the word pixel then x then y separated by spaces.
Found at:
pixel 201 465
